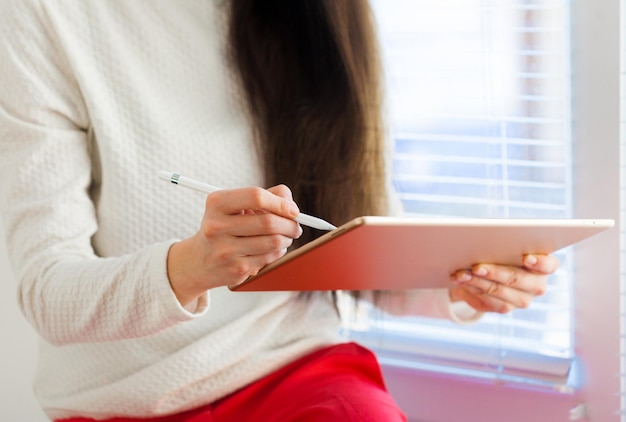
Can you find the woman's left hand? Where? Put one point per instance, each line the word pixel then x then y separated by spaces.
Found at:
pixel 503 288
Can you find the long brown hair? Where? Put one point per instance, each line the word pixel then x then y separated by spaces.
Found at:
pixel 311 75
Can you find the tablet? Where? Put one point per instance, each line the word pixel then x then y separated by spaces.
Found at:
pixel 387 253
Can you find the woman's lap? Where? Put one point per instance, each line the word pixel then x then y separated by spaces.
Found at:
pixel 338 383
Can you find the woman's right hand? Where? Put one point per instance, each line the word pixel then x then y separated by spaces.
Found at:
pixel 242 231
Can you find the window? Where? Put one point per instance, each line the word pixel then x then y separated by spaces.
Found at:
pixel 482 104
pixel 480 112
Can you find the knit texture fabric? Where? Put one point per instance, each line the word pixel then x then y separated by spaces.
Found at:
pixel 96 98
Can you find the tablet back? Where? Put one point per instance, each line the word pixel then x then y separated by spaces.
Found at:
pixel 386 253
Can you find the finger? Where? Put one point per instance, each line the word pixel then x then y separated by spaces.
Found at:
pixel 243 267
pixel 233 202
pixel 517 298
pixel 281 190
pixel 256 245
pixel 482 302
pixel 258 262
pixel 261 224
pixel 510 276
pixel 546 264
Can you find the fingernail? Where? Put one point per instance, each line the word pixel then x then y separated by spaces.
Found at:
pixel 531 260
pixel 463 277
pixel 293 209
pixel 300 231
pixel 480 271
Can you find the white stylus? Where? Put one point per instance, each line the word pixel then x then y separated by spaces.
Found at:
pixel 177 179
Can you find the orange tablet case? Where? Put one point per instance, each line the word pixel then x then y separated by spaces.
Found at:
pixel 385 253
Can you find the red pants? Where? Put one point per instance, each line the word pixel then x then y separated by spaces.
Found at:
pixel 338 383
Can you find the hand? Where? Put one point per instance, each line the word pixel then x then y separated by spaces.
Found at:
pixel 242 231
pixel 503 288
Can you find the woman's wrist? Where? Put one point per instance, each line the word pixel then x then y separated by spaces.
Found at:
pixel 182 272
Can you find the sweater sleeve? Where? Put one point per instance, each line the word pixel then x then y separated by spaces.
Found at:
pixel 434 303
pixel 67 293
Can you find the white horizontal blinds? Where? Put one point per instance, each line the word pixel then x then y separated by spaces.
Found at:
pixel 479 104
pixel 479 98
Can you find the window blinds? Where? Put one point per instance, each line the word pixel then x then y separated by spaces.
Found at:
pixel 478 92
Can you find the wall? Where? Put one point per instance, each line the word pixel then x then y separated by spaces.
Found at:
pixel 596 124
pixel 17 353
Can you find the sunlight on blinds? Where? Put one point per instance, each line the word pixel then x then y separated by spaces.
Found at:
pixel 479 100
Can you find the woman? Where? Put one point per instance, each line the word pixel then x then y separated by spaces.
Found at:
pixel 124 277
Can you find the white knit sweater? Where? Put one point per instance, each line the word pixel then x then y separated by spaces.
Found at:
pixel 95 98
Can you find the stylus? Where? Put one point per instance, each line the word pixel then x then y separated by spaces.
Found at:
pixel 177 179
